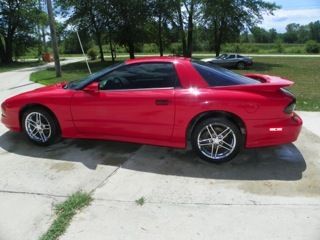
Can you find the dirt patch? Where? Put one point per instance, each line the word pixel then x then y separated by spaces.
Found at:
pixel 62 167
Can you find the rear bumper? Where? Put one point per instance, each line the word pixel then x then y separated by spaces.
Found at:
pixel 249 63
pixel 261 133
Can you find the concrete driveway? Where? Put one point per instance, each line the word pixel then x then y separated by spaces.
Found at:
pixel 267 193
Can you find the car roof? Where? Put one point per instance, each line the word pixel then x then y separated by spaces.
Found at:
pixel 157 59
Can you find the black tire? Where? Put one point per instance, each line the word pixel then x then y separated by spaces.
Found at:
pixel 241 65
pixel 46 116
pixel 214 143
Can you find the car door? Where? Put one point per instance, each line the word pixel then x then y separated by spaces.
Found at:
pixel 134 101
pixel 230 60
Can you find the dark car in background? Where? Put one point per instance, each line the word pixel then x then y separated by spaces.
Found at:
pixel 230 61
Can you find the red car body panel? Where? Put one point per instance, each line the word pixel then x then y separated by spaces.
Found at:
pixel 134 116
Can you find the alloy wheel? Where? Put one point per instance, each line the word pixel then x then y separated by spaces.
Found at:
pixel 37 127
pixel 216 141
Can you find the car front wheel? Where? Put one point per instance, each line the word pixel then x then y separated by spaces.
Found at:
pixel 216 140
pixel 241 65
pixel 40 126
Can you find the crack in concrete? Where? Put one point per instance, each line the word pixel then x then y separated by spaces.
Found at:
pixel 213 204
pixel 20 86
pixel 104 181
pixel 34 193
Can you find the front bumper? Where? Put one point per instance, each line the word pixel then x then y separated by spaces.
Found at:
pixel 261 133
pixel 11 121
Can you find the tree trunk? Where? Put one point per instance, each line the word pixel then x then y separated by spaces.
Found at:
pixel 45 47
pixel 1 51
pixel 39 36
pixel 160 35
pixel 131 50
pixel 217 38
pixel 112 51
pixel 43 33
pixel 54 39
pixel 8 50
pixel 218 41
pixel 98 35
pixel 190 31
pixel 217 48
pixel 182 33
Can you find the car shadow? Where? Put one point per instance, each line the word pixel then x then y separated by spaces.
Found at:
pixel 284 162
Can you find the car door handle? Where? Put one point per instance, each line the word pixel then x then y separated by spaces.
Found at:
pixel 162 102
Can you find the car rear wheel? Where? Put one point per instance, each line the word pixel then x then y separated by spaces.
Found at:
pixel 216 140
pixel 241 65
pixel 40 126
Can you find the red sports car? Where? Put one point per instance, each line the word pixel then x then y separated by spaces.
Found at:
pixel 162 101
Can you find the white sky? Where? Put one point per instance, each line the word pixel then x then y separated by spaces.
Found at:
pixel 302 12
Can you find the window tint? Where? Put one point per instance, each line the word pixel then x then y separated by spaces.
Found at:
pixel 146 75
pixel 218 76
pixel 79 84
pixel 222 56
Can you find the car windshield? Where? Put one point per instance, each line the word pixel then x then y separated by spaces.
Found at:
pixel 79 84
pixel 218 76
pixel 222 56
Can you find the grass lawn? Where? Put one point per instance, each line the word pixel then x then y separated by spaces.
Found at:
pixel 17 65
pixel 303 71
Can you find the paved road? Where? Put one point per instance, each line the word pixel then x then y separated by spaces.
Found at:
pixel 268 193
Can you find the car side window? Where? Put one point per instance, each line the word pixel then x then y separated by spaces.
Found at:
pixel 231 56
pixel 140 76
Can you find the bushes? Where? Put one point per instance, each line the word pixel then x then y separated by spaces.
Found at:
pixel 150 48
pixel 92 54
pixel 279 46
pixel 312 47
pixel 175 48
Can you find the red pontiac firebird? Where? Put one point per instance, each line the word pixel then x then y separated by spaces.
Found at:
pixel 163 101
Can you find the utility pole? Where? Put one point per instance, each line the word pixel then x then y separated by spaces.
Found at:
pixel 54 39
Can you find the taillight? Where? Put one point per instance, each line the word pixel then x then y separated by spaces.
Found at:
pixel 290 108
pixel 292 105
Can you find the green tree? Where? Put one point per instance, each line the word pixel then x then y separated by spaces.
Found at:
pixel 15 17
pixel 86 15
pixel 227 18
pixel 187 12
pixel 273 35
pixel 133 15
pixel 291 34
pixel 315 31
pixel 260 35
pixel 162 11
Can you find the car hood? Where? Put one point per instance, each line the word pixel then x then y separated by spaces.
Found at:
pixel 213 60
pixel 35 92
pixel 48 88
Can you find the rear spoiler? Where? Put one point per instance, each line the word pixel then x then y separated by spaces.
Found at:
pixel 268 83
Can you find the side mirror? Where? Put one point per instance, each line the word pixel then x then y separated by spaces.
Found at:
pixel 92 88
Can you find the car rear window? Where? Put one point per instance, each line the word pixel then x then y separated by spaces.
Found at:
pixel 218 76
